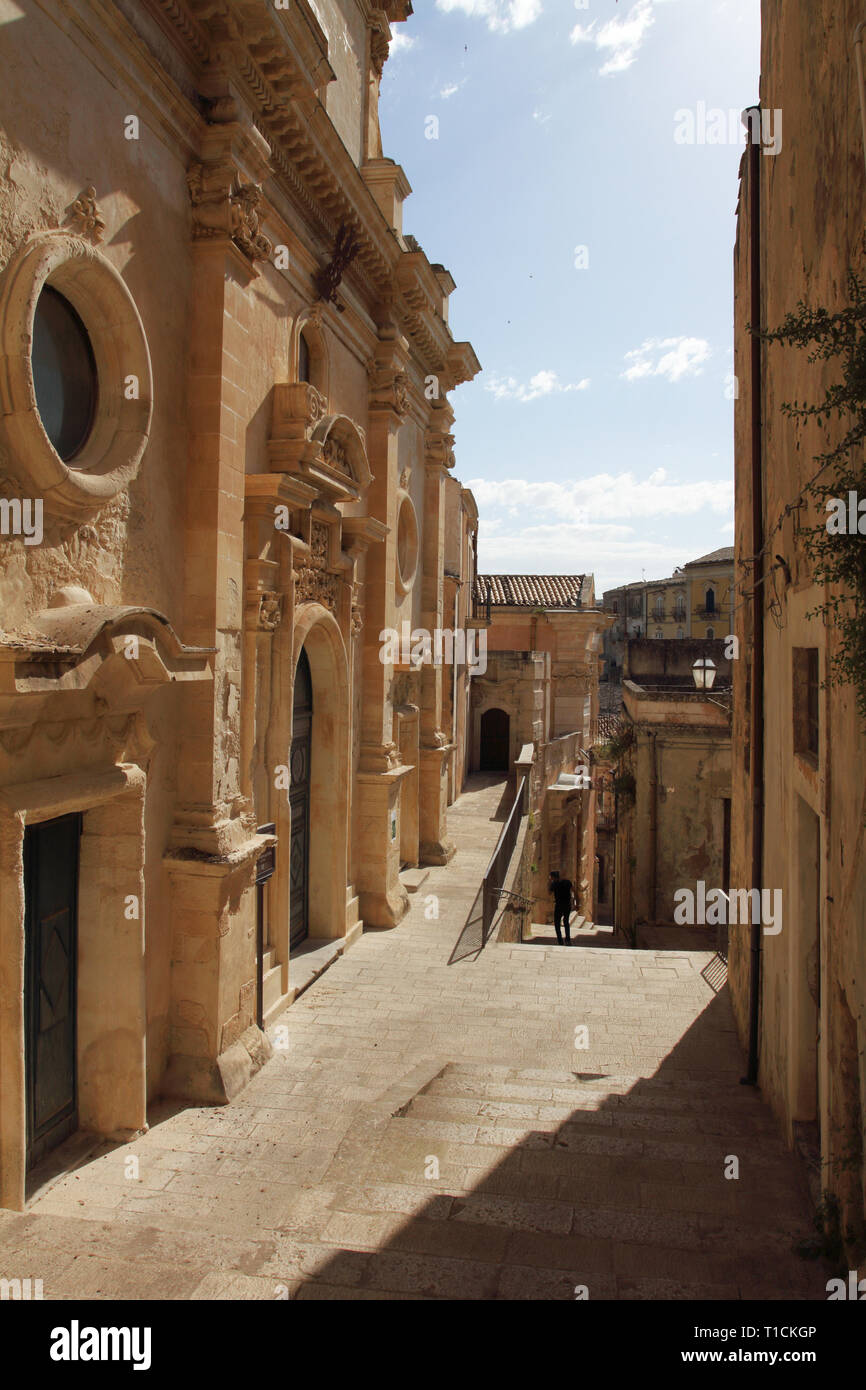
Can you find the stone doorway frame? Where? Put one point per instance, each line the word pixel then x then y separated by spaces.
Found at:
pixel 111 1002
pixel 317 631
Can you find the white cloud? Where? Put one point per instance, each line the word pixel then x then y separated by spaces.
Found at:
pixel 400 43
pixel 544 383
pixel 501 16
pixel 672 358
pixel 612 525
pixel 619 40
pixel 449 91
pixel 589 501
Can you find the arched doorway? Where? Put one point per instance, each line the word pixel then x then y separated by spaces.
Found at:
pixel 495 738
pixel 299 801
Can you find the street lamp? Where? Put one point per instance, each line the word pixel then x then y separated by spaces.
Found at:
pixel 704 672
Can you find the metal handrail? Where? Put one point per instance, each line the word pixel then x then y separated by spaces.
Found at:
pixel 494 876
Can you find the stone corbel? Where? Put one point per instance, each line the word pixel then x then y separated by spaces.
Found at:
pixel 389 379
pixel 225 184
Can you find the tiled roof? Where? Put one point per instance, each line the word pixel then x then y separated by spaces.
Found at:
pixel 715 557
pixel 532 590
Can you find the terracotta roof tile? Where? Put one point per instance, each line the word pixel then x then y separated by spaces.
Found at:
pixel 532 590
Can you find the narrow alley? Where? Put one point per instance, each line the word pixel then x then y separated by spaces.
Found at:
pixel 432 1126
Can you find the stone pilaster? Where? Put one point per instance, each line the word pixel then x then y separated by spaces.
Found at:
pixel 383 899
pixel 436 745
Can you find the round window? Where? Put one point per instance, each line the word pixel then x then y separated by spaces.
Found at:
pixel 64 373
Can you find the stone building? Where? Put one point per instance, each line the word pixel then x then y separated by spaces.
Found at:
pixel 799 743
pixel 669 770
pixel 541 682
pixel 697 600
pixel 224 379
pixel 534 711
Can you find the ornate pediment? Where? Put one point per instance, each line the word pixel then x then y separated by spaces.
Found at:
pixel 328 451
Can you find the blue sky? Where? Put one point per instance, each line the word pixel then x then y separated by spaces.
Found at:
pixel 599 435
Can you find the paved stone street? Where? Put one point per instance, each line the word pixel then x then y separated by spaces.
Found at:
pixel 430 1130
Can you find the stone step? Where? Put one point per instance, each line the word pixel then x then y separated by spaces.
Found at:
pixel 272 987
pixel 413 879
pixel 631 1111
pixel 641 1095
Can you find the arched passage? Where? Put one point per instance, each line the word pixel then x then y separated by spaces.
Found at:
pixel 320 737
pixel 300 764
pixel 495 741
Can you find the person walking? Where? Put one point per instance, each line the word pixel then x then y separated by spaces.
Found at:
pixel 563 894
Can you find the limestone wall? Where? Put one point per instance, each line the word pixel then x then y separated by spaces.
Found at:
pixel 813 202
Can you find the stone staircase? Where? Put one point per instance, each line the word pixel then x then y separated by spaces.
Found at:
pixel 616 1183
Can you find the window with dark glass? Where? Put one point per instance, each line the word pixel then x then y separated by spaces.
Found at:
pixel 64 373
pixel 711 601
pixel 303 359
pixel 806 702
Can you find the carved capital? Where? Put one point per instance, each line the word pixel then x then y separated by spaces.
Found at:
pixel 222 208
pixel 388 388
pixel 439 447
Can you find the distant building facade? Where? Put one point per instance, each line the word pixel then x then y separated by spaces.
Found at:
pixel 538 700
pixel 670 780
pixel 695 601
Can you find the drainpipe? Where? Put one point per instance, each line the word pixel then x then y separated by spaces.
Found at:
pixel 859 33
pixel 757 541
pixel 654 825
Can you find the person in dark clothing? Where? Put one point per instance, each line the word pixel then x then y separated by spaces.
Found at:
pixel 562 891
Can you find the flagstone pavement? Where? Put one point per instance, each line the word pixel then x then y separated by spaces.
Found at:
pixel 527 1122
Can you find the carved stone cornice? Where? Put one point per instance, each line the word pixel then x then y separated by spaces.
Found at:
pixel 277 65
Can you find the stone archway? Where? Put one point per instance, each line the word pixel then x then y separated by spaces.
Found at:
pixel 495 741
pixel 316 633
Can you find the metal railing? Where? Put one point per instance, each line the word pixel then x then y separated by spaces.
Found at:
pixel 481 606
pixel 494 877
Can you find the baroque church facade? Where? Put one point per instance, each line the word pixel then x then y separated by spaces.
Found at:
pixel 226 458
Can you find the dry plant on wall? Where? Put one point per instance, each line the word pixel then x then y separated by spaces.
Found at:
pixel 838 556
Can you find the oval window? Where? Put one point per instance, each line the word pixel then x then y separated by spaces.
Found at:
pixel 407 545
pixel 64 373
